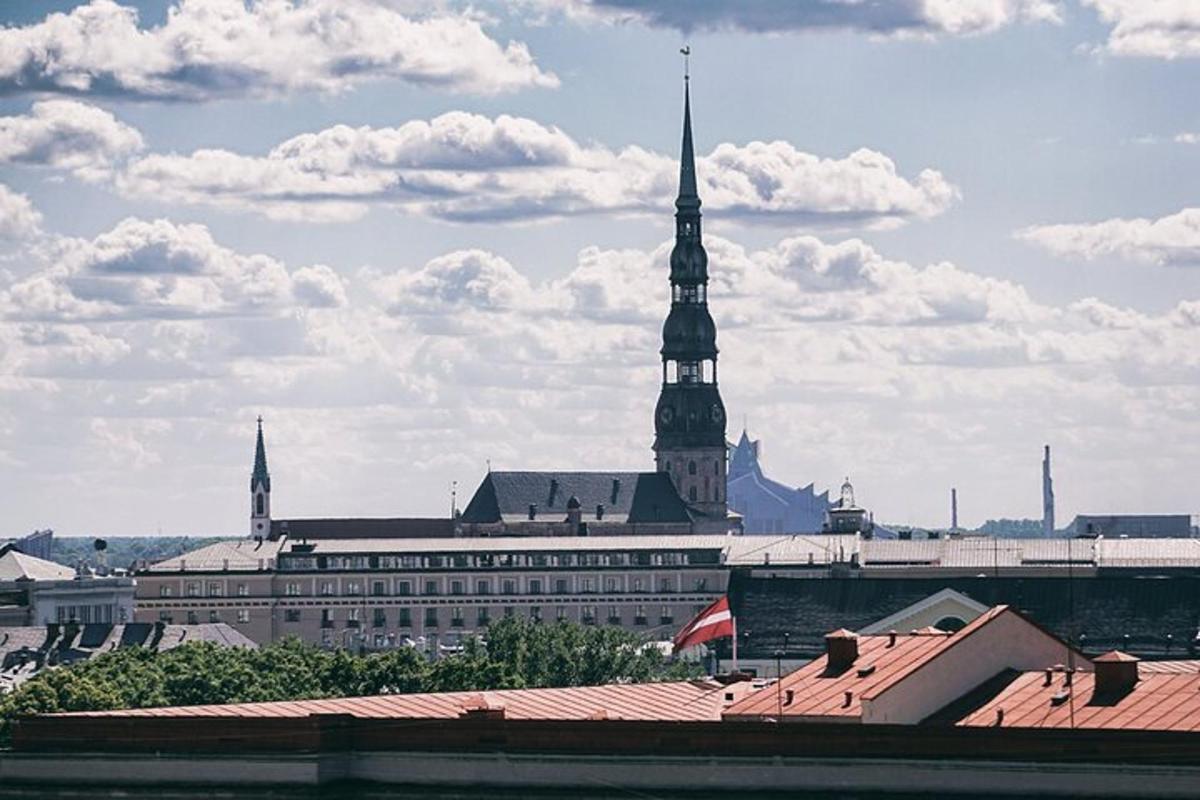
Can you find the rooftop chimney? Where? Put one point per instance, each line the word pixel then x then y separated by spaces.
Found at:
pixel 841 647
pixel 1116 672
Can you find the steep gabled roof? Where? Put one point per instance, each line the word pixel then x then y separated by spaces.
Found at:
pixel 632 497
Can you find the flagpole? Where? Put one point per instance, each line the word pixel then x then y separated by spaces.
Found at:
pixel 733 619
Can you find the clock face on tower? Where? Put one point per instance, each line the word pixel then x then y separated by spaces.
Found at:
pixel 718 413
pixel 666 415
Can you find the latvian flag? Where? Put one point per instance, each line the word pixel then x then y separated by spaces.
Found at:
pixel 714 622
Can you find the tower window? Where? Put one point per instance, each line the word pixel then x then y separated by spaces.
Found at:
pixel 692 469
pixel 692 494
pixel 259 504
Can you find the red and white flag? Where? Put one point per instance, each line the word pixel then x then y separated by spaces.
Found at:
pixel 714 622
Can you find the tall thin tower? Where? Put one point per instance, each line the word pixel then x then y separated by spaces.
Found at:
pixel 1047 497
pixel 689 419
pixel 953 509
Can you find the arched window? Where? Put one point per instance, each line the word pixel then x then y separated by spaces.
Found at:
pixel 692 494
pixel 692 469
pixel 259 503
pixel 717 467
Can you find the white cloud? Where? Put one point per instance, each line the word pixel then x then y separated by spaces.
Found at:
pixel 228 48
pixel 1166 29
pixel 467 167
pixel 161 270
pixel 1169 241
pixel 1187 137
pixel 67 134
pixel 898 17
pixel 18 218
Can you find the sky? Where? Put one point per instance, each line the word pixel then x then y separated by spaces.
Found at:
pixel 422 238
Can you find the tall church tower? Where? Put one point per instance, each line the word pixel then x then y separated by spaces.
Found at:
pixel 260 491
pixel 689 420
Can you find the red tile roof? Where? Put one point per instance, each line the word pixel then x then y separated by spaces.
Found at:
pixel 816 692
pixel 700 700
pixel 1158 701
pixel 1178 667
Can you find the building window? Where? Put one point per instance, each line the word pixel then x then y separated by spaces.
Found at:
pixel 431 618
pixel 668 617
pixel 692 493
pixel 404 588
pixel 639 615
pixel 456 587
pixel 259 504
pixel 352 588
pixel 291 615
pixel 510 611
pixel 193 589
pixel 380 640
pixel 614 615
pixel 243 615
pixel 456 617
pixel 701 584
pixel 431 587
pixel 610 585
pixel 326 637
pixel 587 615
pixel 483 587
pixel 354 614
pixel 378 588
pixel 326 588
pixel 214 589
pixel 483 617
pixel 508 586
pixel 691 468
pixel 163 591
pixel 535 613
pixel 163 616
pixel 587 585
pixel 379 619
pixel 292 589
pixel 405 620
pixel 560 613
pixel 243 590
pixel 638 585
pixel 666 585
pixel 326 617
pixel 213 616
pixel 560 586
pixel 535 586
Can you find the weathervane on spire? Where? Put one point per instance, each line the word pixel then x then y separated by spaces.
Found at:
pixel 686 52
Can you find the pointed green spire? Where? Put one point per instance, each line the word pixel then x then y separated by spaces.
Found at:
pixel 260 474
pixel 689 197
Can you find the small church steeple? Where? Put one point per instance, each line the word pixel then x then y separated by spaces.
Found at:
pixel 689 420
pixel 260 490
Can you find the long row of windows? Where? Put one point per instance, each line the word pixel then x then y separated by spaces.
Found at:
pixel 641 558
pixel 405 587
pixel 202 589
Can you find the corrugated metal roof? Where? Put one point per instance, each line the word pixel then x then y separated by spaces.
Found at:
pixel 1185 666
pixel 241 555
pixel 1148 552
pixel 749 551
pixel 15 565
pixel 700 700
pixel 519 544
pixel 1157 702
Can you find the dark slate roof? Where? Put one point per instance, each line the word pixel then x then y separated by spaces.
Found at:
pixel 352 528
pixel 627 497
pixel 1159 616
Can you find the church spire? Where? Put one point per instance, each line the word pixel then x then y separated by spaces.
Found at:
pixel 689 197
pixel 260 474
pixel 260 490
pixel 689 419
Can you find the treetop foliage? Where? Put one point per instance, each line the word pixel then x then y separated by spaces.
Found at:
pixel 517 653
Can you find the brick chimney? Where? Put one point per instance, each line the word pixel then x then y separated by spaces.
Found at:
pixel 841 647
pixel 1116 672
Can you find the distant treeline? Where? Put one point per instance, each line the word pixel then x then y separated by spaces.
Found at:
pixel 124 550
